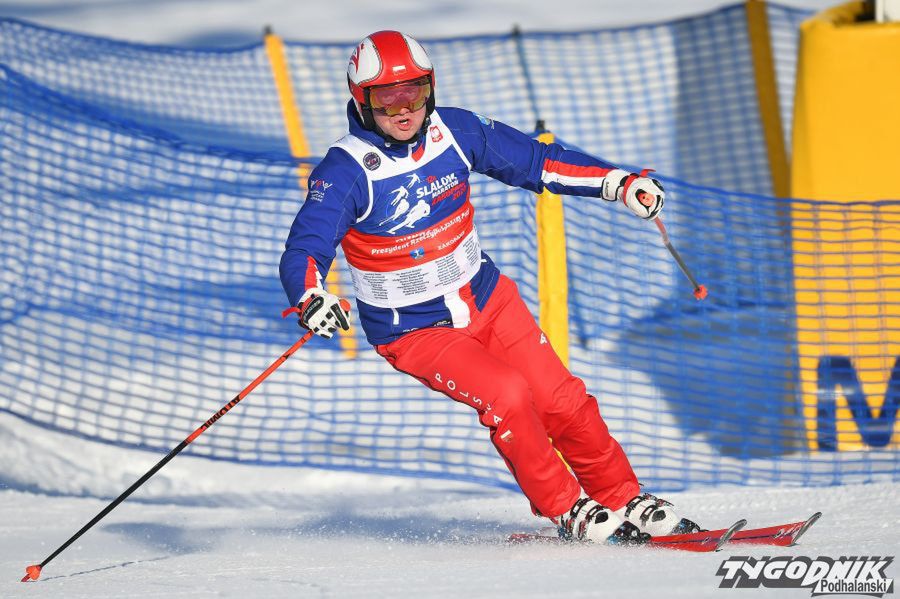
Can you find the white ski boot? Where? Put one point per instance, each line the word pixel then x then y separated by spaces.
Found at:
pixel 655 516
pixel 590 521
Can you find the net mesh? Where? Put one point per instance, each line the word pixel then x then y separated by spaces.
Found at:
pixel 147 192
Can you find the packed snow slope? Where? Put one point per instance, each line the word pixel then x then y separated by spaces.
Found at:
pixel 214 529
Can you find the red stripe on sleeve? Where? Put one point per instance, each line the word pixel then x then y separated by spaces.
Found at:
pixel 312 273
pixel 573 170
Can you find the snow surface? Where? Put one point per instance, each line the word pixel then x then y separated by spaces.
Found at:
pixel 215 529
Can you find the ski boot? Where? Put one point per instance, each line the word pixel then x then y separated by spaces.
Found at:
pixel 655 516
pixel 589 521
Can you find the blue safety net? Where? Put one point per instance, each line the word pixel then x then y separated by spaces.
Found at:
pixel 146 192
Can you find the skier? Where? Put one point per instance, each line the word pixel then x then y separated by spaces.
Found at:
pixel 437 308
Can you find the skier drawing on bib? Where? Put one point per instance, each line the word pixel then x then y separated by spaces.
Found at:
pixel 467 334
pixel 400 195
pixel 421 210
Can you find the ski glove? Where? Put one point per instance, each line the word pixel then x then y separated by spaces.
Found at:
pixel 643 195
pixel 322 312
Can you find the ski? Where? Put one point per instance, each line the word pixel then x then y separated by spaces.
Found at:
pixel 783 535
pixel 544 535
pixel 708 540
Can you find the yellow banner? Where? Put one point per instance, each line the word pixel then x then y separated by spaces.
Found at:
pixel 847 253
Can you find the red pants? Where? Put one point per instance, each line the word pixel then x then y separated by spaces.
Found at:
pixel 502 366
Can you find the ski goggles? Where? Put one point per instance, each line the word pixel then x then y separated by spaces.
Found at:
pixel 392 99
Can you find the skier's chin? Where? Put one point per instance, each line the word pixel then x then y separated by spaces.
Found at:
pixel 403 135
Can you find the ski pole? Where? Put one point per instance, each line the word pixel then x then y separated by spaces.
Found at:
pixel 647 200
pixel 699 290
pixel 34 571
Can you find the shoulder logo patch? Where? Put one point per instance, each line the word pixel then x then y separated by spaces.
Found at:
pixel 372 161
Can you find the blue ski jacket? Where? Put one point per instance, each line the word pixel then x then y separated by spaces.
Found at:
pixel 404 216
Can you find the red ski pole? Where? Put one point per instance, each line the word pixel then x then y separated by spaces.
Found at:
pixel 647 200
pixel 34 571
pixel 699 290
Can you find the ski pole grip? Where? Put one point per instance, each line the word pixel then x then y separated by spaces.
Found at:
pixel 643 197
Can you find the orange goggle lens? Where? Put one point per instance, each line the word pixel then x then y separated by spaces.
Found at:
pixel 391 99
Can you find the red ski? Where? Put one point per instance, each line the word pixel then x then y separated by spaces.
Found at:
pixel 708 540
pixel 783 535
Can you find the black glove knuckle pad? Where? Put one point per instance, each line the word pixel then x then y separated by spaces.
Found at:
pixel 338 313
pixel 311 308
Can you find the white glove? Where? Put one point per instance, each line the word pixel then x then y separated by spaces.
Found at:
pixel 643 195
pixel 322 312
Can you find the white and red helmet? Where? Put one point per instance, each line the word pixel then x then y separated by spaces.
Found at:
pixel 386 58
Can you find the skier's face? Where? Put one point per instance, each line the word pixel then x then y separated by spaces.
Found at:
pixel 403 126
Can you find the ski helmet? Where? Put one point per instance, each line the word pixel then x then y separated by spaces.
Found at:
pixel 387 58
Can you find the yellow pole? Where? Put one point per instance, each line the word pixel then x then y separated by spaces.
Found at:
pixel 767 95
pixel 293 124
pixel 553 275
pixel 553 278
